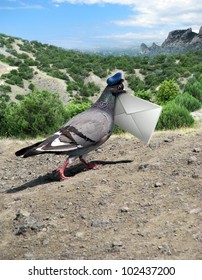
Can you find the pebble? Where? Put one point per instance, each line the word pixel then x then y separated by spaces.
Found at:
pixel 104 181
pixel 25 221
pixel 45 242
pixel 168 140
pixel 158 185
pixel 192 159
pixel 164 249
pixel 195 174
pixel 152 166
pixel 99 223
pixel 124 209
pixel 83 216
pixel 117 243
pixel 195 211
pixel 29 256
pixel 196 150
pixel 79 234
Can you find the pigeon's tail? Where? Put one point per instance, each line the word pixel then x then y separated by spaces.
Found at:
pixel 29 151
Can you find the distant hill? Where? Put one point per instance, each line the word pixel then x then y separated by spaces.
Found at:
pixel 25 65
pixel 178 41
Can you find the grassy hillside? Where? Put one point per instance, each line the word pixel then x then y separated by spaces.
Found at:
pixel 29 66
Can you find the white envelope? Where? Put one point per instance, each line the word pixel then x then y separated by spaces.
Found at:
pixel 137 116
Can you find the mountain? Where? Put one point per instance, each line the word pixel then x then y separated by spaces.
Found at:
pixel 178 41
pixel 29 65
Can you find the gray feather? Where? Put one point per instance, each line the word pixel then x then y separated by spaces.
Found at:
pixel 84 132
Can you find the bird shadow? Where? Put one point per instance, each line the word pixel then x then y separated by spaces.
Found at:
pixel 53 176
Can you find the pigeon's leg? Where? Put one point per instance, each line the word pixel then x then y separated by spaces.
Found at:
pixel 62 170
pixel 89 165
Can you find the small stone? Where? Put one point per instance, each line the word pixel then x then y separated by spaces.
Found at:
pixel 117 243
pixel 124 209
pixel 195 211
pixel 102 201
pixel 29 256
pixel 22 214
pixel 168 140
pixel 192 159
pixel 99 150
pixel 195 174
pixel 158 185
pixel 143 166
pixel 164 249
pixel 45 242
pixel 99 223
pixel 79 234
pixel 83 216
pixel 104 181
pixel 196 150
pixel 141 234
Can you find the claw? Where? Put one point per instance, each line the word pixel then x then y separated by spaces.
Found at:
pixel 62 170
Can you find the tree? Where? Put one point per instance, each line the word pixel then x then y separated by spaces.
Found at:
pixel 40 113
pixel 167 91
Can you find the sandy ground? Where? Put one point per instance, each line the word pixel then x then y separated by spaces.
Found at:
pixel 143 203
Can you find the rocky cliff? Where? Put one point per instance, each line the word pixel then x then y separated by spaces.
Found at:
pixel 178 41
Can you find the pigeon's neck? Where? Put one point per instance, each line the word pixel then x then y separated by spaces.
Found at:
pixel 106 102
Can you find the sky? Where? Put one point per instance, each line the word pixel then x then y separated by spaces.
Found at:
pixel 92 24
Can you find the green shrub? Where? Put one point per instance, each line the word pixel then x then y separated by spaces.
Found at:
pixel 19 97
pixel 167 91
pixel 4 97
pixel 5 88
pixel 3 107
pixel 31 87
pixel 174 116
pixel 188 101
pixel 38 114
pixel 146 95
pixel 117 130
pixel 195 90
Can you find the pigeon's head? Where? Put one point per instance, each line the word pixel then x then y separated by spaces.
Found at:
pixel 115 84
pixel 117 88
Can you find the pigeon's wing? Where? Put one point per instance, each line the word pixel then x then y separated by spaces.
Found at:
pixel 84 130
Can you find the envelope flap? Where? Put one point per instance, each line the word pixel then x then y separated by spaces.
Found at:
pixel 132 104
pixel 137 116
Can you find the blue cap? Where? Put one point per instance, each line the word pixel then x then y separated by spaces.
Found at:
pixel 114 79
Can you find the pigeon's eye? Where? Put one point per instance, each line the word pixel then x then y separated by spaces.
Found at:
pixel 120 86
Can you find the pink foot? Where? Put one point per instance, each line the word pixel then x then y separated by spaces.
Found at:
pixel 62 170
pixel 61 174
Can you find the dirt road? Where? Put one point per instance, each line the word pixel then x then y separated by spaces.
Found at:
pixel 143 203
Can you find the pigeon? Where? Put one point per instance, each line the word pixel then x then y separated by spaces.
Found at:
pixel 84 132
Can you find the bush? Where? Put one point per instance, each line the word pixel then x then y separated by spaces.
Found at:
pixel 38 114
pixel 195 90
pixel 3 108
pixel 188 101
pixel 19 97
pixel 167 91
pixel 5 97
pixel 174 116
pixel 146 95
pixel 5 88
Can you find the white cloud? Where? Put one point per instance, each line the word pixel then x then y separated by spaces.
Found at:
pixel 164 12
pixel 149 20
pixel 149 13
